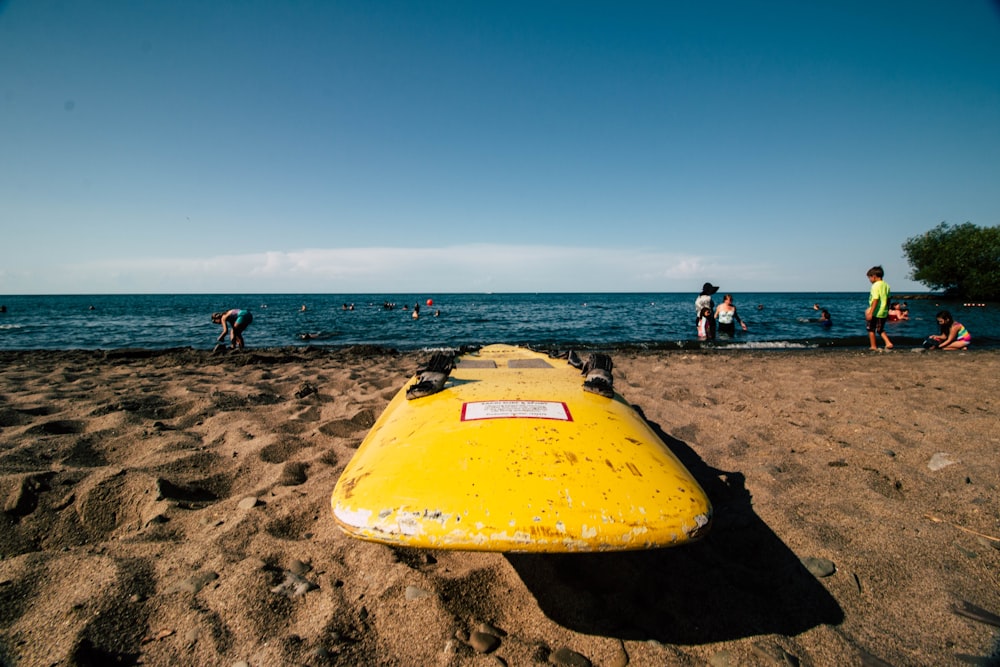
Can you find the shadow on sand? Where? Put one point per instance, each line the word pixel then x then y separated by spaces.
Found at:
pixel 740 581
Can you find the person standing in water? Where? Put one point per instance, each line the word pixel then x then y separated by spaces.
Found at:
pixel 726 316
pixel 878 308
pixel 703 301
pixel 706 324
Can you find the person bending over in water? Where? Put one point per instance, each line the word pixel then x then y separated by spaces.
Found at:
pixel 233 322
pixel 953 336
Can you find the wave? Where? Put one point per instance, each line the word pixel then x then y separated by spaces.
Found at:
pixel 318 335
pixel 772 345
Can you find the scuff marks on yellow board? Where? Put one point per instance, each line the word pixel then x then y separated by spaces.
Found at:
pixel 512 455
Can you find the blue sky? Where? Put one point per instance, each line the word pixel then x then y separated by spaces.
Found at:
pixel 434 147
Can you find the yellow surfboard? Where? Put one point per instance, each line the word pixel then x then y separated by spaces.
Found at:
pixel 513 455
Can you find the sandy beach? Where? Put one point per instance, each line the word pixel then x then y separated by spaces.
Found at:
pixel 172 508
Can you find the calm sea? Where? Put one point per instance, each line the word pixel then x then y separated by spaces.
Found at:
pixel 557 321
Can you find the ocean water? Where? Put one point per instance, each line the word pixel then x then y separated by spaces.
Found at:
pixel 547 320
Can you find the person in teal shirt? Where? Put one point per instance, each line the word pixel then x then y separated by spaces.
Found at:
pixel 233 322
pixel 878 308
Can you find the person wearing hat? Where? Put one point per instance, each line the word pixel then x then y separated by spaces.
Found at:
pixel 703 301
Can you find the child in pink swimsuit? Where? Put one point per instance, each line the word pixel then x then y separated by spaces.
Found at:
pixel 953 336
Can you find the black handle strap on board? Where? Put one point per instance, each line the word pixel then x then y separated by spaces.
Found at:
pixel 599 379
pixel 431 378
pixel 571 357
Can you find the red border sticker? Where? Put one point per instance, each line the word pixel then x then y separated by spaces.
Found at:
pixel 477 410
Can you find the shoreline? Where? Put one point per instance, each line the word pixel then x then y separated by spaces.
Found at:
pixel 278 352
pixel 171 506
pixel 622 321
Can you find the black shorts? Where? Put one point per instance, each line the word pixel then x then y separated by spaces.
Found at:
pixel 876 325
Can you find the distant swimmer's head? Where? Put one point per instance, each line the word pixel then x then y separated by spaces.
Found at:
pixel 709 288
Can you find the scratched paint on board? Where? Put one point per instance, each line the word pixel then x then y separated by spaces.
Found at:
pixel 520 460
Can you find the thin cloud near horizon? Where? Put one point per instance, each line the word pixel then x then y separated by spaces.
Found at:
pixel 458 268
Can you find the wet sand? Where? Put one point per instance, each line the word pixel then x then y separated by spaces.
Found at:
pixel 172 507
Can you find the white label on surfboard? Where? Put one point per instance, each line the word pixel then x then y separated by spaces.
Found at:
pixel 516 410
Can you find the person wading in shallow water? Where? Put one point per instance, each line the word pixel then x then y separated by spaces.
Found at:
pixel 726 316
pixel 233 322
pixel 703 301
pixel 706 324
pixel 878 308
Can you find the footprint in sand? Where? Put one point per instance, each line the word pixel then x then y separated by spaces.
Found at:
pixel 311 414
pixel 293 474
pixel 292 527
pixel 345 428
pixel 57 427
pixel 280 451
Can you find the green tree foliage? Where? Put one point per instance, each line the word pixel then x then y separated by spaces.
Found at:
pixel 962 260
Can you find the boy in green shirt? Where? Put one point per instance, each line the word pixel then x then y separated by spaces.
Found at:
pixel 878 307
